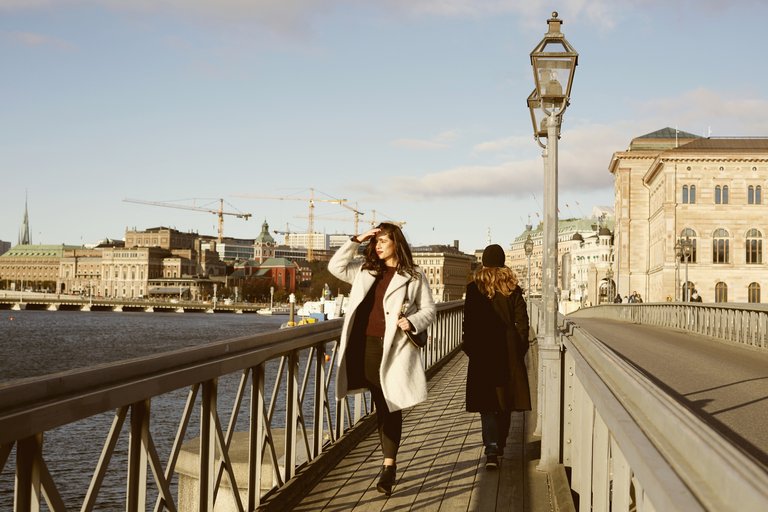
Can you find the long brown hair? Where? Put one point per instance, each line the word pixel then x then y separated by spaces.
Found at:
pixel 491 280
pixel 403 254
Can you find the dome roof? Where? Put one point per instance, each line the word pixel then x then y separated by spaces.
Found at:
pixel 604 231
pixel 577 236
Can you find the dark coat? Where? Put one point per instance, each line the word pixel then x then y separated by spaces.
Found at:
pixel 496 341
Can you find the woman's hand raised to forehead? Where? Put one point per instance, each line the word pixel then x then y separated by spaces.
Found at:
pixel 368 234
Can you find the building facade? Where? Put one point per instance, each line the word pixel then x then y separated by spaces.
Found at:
pixel 584 250
pixel 448 270
pixel 673 187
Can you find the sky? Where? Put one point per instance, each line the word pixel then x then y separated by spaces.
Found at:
pixel 409 110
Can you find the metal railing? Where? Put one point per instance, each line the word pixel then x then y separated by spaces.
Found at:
pixel 297 364
pixel 738 323
pixel 630 446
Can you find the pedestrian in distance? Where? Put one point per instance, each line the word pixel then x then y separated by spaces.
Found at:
pixel 495 339
pixel 390 295
pixel 617 299
pixel 695 297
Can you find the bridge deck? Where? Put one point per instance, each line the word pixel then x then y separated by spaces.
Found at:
pixel 441 464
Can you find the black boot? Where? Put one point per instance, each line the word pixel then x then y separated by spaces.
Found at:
pixel 387 479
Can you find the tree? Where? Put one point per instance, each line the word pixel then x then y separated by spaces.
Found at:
pixel 320 277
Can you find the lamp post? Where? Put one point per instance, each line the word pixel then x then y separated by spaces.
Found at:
pixel 554 61
pixel 678 255
pixel 609 281
pixel 528 246
pixel 687 245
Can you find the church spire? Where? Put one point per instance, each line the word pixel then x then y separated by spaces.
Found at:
pixel 24 233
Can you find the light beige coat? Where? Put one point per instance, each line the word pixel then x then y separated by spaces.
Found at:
pixel 402 372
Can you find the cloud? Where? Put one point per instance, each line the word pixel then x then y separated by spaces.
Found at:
pixel 732 113
pixel 498 145
pixel 33 39
pixel 442 140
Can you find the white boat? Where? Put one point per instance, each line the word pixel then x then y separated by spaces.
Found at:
pixel 329 308
pixel 274 311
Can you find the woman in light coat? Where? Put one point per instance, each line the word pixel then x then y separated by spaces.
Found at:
pixel 389 296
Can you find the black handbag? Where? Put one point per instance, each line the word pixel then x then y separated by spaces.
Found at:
pixel 418 339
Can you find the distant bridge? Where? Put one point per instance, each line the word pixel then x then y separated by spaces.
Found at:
pixel 64 302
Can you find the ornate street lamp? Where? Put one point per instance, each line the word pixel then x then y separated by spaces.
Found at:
pixel 687 245
pixel 609 282
pixel 678 255
pixel 528 246
pixel 554 61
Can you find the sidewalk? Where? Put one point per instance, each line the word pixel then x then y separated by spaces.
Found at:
pixel 441 465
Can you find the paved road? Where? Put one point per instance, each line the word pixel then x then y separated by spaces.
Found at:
pixel 725 383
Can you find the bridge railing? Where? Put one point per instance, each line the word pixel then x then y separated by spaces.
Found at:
pixel 738 323
pixel 629 445
pixel 276 388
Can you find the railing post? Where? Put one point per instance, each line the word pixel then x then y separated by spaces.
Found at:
pixel 136 492
pixel 27 495
pixel 256 437
pixel 207 446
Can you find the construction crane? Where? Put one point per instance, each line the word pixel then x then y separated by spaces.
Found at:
pixel 220 212
pixel 311 219
pixel 395 222
pixel 357 213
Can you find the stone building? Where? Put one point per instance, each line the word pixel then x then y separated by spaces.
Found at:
pixel 672 186
pixel 32 266
pixel 584 252
pixel 448 270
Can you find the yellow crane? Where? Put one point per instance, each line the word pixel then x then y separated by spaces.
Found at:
pixel 220 211
pixel 311 218
pixel 398 223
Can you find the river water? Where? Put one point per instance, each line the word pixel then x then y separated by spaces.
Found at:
pixel 35 343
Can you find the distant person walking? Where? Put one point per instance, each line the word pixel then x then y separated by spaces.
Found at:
pixel 495 339
pixel 695 297
pixel 617 299
pixel 390 295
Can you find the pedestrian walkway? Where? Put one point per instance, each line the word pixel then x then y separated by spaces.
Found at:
pixel 440 465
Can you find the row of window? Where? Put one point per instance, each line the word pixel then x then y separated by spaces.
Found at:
pixel 721 245
pixel 754 194
pixel 721 292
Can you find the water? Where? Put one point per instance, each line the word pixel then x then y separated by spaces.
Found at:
pixel 34 343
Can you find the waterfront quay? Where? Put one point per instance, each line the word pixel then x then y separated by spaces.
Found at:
pixel 64 302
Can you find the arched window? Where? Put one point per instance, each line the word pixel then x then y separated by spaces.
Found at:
pixel 691 235
pixel 685 194
pixel 754 246
pixel 721 292
pixel 753 293
pixel 720 246
pixel 725 194
pixel 758 195
pixel 692 196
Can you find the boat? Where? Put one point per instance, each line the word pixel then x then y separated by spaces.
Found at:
pixel 328 309
pixel 281 310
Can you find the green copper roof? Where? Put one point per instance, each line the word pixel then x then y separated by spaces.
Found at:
pixel 264 237
pixel 41 251
pixel 661 140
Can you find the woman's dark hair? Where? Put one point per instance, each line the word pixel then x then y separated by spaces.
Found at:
pixel 403 254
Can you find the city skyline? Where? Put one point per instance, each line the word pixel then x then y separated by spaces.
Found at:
pixel 415 110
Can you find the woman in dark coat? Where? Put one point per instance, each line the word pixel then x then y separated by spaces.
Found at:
pixel 496 341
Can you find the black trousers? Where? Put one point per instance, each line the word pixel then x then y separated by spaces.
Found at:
pixel 390 423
